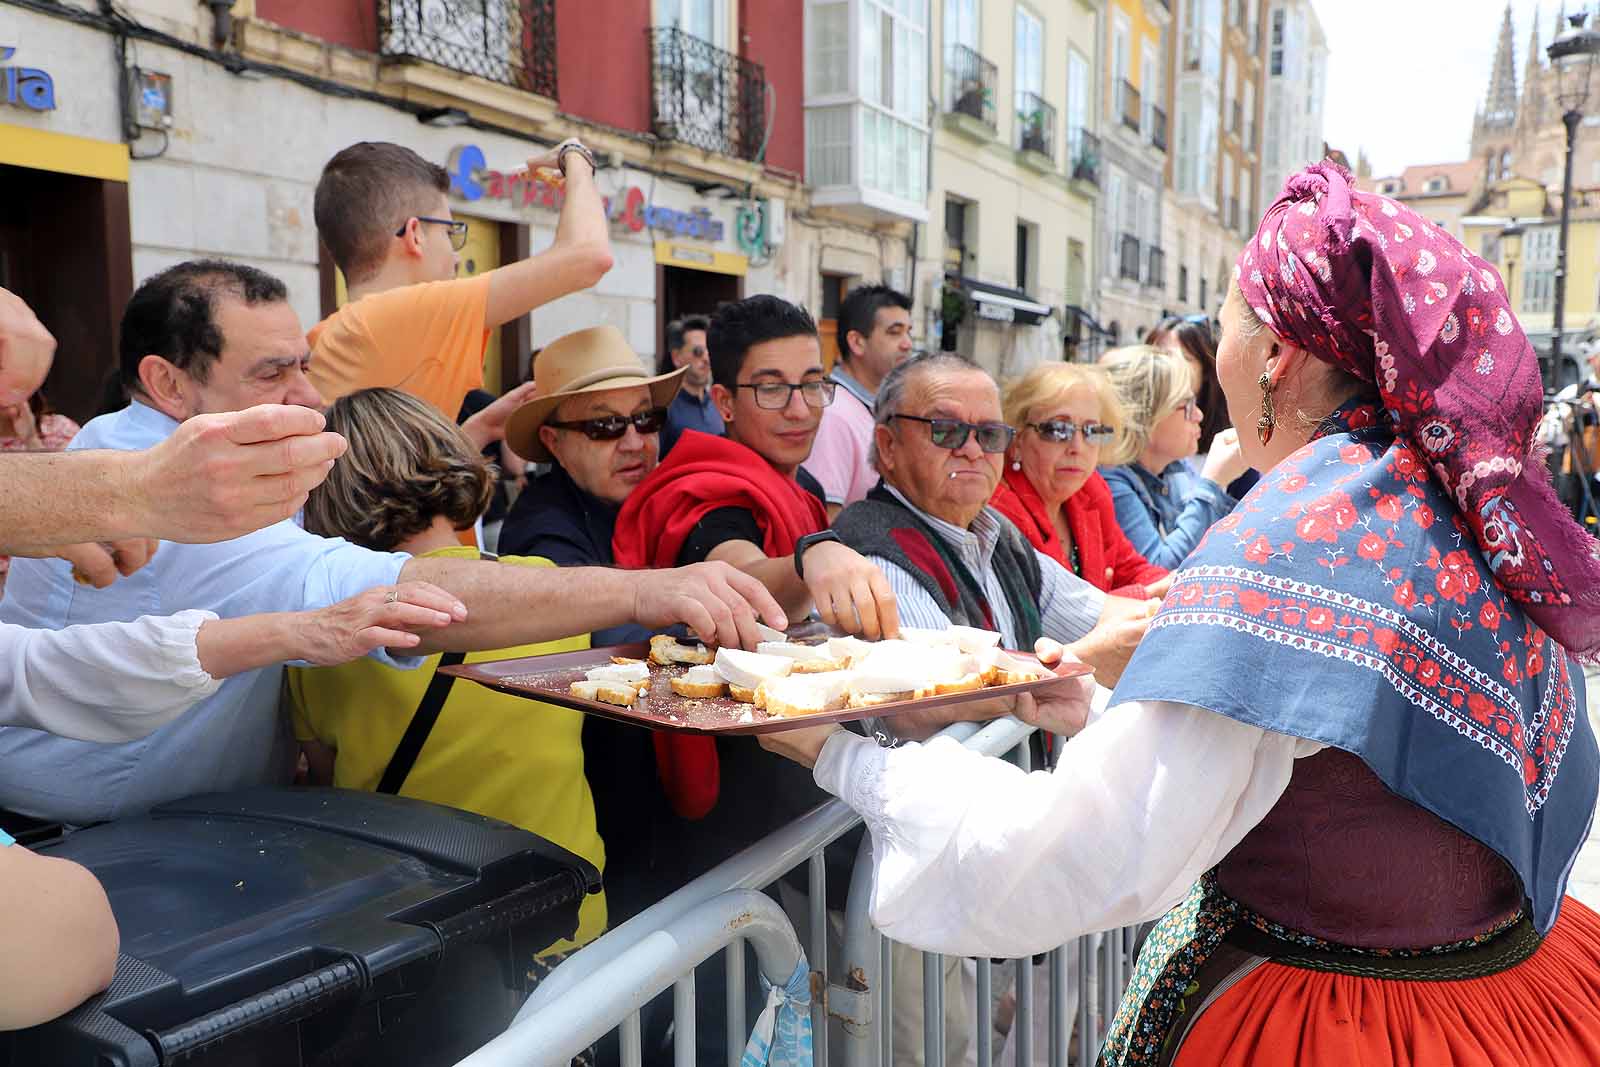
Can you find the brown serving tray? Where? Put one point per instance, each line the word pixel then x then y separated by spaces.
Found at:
pixel 547 678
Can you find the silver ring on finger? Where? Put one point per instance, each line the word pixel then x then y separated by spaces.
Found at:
pixel 393 597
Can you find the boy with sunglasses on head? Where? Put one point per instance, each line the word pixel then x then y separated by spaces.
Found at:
pixel 384 214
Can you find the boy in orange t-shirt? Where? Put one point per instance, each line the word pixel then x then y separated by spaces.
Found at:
pixel 410 324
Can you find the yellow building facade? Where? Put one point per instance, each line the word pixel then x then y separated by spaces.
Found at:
pixel 1516 226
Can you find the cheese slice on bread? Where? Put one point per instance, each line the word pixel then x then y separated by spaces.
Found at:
pixel 748 670
pixel 701 681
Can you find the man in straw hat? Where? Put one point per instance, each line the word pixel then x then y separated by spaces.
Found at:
pixel 596 419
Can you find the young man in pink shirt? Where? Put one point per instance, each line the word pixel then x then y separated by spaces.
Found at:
pixel 874 335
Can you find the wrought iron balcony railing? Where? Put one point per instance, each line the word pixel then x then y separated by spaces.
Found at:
pixel 512 42
pixel 1158 128
pixel 1130 257
pixel 970 82
pixel 1156 278
pixel 1085 149
pixel 1036 125
pixel 1130 106
pixel 704 96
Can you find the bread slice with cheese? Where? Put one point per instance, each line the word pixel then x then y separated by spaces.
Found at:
pixel 665 649
pixel 700 681
pixel 807 694
pixel 633 672
pixel 746 695
pixel 619 693
pixel 748 670
pixel 971 639
pixel 849 650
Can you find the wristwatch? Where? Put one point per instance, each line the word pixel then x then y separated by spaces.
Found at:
pixel 806 542
pixel 581 149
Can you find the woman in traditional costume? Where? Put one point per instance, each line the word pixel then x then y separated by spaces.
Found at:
pixel 1350 761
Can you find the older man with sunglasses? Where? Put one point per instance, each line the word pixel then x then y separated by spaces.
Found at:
pixel 939 444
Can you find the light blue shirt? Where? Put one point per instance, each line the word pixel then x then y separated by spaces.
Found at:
pixel 1165 515
pixel 1069 607
pixel 235 737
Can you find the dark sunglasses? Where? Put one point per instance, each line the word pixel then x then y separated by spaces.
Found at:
pixel 1065 431
pixel 611 427
pixel 774 396
pixel 457 228
pixel 953 433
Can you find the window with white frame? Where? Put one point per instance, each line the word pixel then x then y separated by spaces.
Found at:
pixel 699 18
pixel 1149 84
pixel 1077 103
pixel 1121 61
pixel 961 22
pixel 1111 216
pixel 1539 246
pixel 866 127
pixel 1028 69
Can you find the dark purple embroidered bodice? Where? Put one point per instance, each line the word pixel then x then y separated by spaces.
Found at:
pixel 1343 858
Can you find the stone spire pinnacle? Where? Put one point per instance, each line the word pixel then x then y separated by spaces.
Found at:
pixel 1501 106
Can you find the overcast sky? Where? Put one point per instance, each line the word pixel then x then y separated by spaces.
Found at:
pixel 1404 76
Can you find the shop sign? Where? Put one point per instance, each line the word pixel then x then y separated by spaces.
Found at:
pixel 997 312
pixel 471 180
pixel 26 87
pixel 696 257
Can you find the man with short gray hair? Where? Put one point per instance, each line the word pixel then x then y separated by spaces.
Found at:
pixel 939 440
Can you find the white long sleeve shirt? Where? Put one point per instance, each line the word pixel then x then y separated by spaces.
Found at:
pixel 975 857
pixel 104 682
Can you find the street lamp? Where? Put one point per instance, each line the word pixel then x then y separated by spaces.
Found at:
pixel 1572 54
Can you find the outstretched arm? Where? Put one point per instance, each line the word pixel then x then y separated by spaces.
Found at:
pixel 577 260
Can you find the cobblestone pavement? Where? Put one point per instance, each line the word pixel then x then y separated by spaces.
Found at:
pixel 1585 883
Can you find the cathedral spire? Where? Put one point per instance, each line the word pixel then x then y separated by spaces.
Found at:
pixel 1501 107
pixel 1531 108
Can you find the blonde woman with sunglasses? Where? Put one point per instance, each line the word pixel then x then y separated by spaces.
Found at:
pixel 1161 505
pixel 1068 421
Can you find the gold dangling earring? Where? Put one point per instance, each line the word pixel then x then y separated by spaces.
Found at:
pixel 1269 418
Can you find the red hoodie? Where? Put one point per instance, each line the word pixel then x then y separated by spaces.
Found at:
pixel 700 474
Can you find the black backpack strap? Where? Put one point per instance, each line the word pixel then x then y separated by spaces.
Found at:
pixel 422 720
pixel 421 725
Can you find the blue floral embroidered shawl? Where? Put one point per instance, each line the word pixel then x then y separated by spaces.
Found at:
pixel 1345 601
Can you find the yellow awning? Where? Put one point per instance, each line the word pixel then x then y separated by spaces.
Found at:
pixel 25 146
pixel 696 257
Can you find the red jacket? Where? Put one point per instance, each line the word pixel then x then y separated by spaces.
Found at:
pixel 1106 559
pixel 701 474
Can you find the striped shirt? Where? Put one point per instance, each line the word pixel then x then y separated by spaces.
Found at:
pixel 1068 606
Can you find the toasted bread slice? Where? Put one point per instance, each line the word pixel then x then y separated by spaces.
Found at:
pixel 872 700
pixel 621 694
pixel 967 683
pixel 665 649
pixel 742 694
pixel 820 665
pixel 806 694
pixel 701 681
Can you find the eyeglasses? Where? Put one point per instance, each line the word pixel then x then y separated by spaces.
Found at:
pixel 457 228
pixel 611 427
pixel 774 396
pixel 953 433
pixel 1065 431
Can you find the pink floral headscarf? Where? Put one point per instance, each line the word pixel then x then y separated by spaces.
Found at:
pixel 1371 287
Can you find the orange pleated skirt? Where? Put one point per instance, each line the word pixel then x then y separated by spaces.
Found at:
pixel 1544 1012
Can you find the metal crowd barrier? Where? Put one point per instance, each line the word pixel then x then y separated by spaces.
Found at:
pixel 603 986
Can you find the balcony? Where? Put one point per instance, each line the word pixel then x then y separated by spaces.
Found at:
pixel 705 97
pixel 1085 156
pixel 1130 106
pixel 1158 128
pixel 512 42
pixel 970 83
pixel 1036 126
pixel 1156 278
pixel 1130 258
